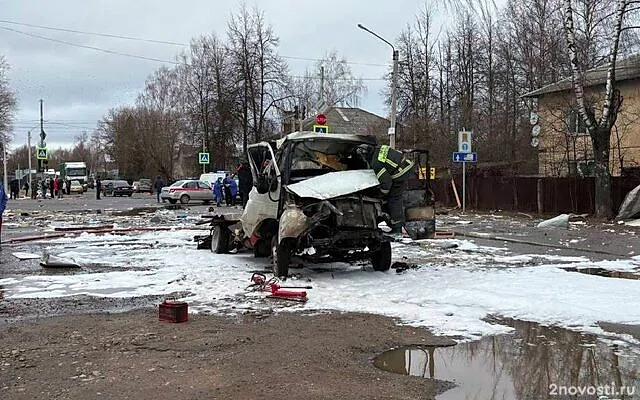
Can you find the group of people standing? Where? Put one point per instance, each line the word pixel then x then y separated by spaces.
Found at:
pixel 227 189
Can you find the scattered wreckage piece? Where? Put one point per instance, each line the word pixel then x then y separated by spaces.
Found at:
pixel 561 221
pixel 30 238
pixel 26 256
pixel 50 261
pixel 420 213
pixel 84 228
pixel 630 207
pixel 171 310
pixel 260 283
pixel 444 235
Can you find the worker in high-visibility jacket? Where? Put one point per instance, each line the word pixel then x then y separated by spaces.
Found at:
pixel 393 171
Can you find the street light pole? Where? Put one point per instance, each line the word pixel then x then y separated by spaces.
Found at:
pixel 29 150
pixel 394 86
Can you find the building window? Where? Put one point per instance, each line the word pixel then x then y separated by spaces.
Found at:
pixel 576 124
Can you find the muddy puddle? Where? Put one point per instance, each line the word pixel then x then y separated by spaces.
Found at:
pixel 533 362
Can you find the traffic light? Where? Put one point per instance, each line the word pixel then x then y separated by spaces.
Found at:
pixel 296 112
pixel 304 112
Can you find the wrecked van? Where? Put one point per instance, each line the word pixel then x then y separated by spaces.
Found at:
pixel 313 198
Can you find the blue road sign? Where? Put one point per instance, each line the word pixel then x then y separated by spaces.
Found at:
pixel 321 129
pixel 464 157
pixel 203 158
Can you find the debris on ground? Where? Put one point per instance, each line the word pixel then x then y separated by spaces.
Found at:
pixel 401 266
pixel 26 256
pixel 261 284
pixel 561 221
pixel 50 261
pixel 630 207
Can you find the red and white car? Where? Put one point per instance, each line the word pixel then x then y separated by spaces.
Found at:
pixel 187 191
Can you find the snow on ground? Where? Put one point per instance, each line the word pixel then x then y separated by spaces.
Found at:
pixel 457 286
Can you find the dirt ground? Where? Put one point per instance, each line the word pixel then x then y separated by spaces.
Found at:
pixel 134 356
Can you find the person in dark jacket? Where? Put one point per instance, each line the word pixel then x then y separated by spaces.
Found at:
pixel 158 185
pixel 14 186
pixel 98 188
pixel 217 191
pixel 3 203
pixel 393 171
pixel 26 189
pixel 227 189
pixel 245 181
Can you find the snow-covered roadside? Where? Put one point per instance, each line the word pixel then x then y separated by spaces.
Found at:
pixel 451 294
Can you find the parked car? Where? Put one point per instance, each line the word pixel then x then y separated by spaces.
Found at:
pixel 143 186
pixel 118 188
pixel 76 187
pixel 104 184
pixel 187 190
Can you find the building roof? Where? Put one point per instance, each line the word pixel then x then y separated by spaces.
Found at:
pixel 625 70
pixel 304 136
pixel 349 120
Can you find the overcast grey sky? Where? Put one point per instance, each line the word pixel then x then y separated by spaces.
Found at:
pixel 79 85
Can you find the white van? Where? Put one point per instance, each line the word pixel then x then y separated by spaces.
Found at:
pixel 211 177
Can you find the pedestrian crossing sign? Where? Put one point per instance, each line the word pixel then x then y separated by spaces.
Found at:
pixel 321 128
pixel 42 153
pixel 203 158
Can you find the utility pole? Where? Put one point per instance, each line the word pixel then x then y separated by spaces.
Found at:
pixel 204 166
pixel 321 86
pixel 42 145
pixel 29 150
pixel 394 100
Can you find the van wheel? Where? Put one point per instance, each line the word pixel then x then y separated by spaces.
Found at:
pixel 219 239
pixel 184 199
pixel 381 259
pixel 262 248
pixel 282 253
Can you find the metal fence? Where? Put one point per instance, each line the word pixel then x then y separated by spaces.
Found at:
pixel 555 195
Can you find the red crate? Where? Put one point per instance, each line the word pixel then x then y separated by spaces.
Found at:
pixel 173 311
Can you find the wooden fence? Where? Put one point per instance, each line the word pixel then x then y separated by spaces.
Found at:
pixel 556 195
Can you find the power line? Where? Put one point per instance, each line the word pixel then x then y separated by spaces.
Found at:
pixel 111 35
pixel 93 33
pixel 87 47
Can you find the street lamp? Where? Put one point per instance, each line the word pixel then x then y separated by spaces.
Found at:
pixel 394 78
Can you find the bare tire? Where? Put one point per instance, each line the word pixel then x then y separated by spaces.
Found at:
pixel 381 259
pixel 282 253
pixel 219 239
pixel 184 199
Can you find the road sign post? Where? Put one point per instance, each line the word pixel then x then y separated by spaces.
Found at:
pixel 464 157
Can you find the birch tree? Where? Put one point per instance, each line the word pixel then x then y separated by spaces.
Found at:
pixel 599 115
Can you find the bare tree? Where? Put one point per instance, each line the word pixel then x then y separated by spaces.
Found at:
pixel 599 121
pixel 261 73
pixel 8 102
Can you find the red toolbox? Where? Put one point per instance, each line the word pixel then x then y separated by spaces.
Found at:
pixel 171 310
